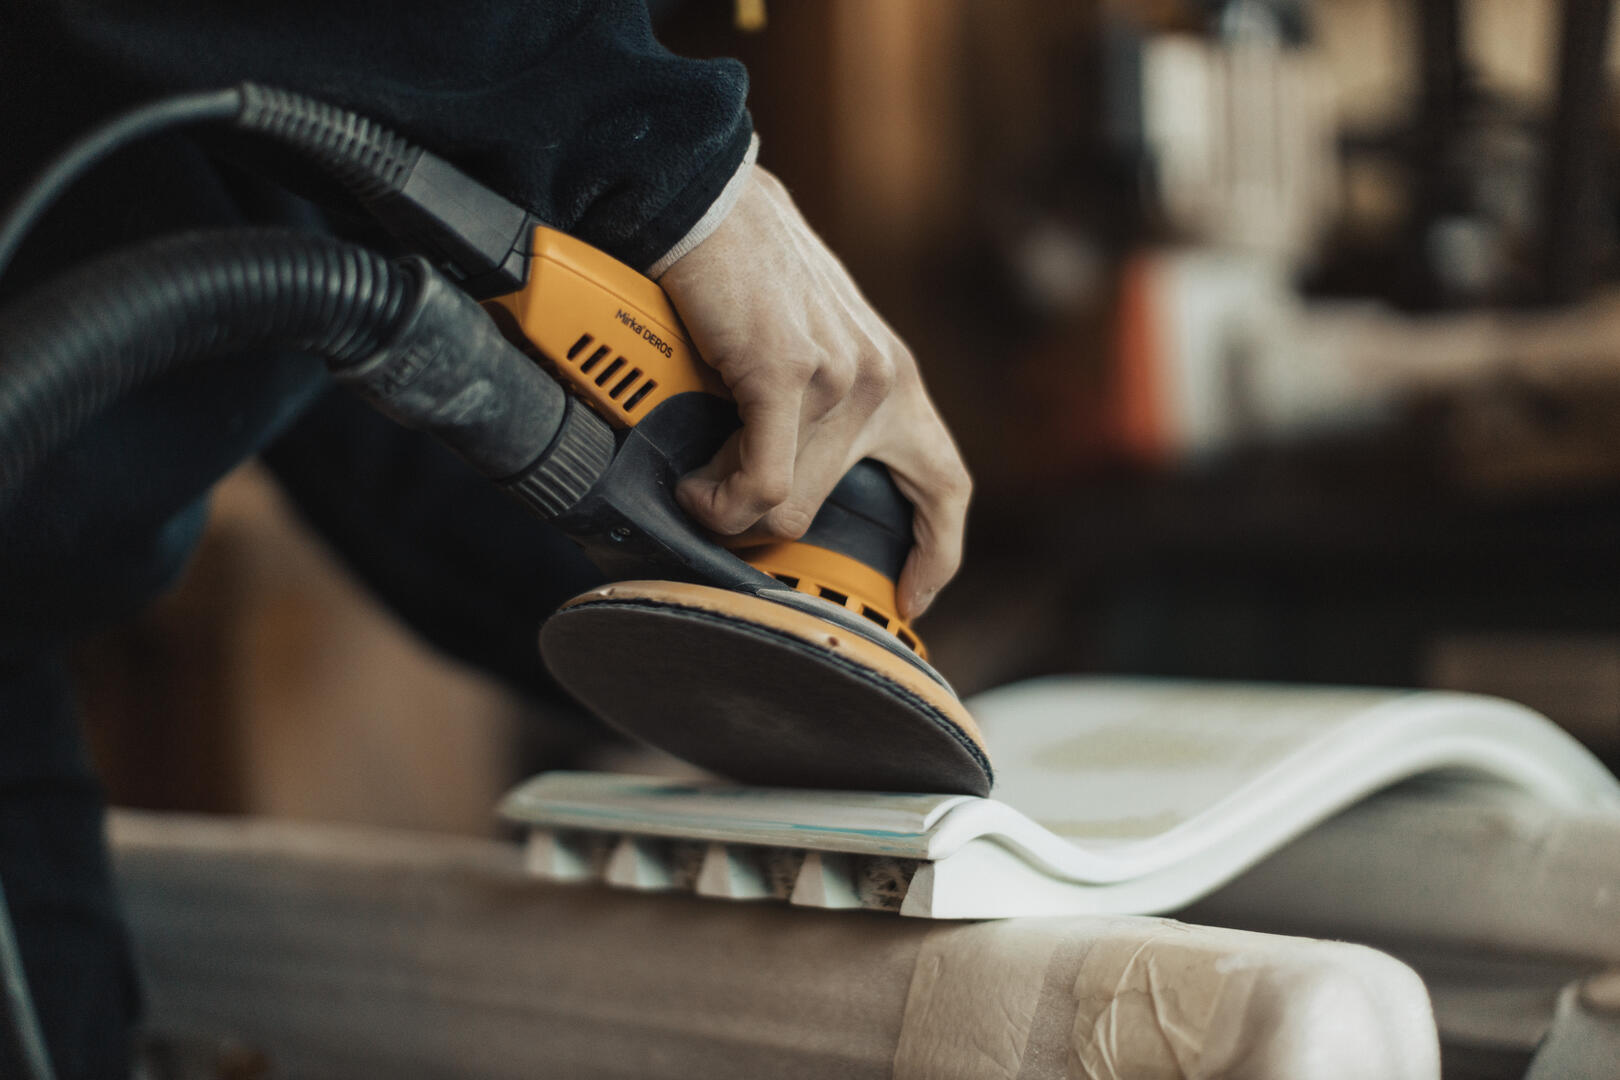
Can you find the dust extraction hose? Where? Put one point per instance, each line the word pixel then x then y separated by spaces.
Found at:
pixel 398 333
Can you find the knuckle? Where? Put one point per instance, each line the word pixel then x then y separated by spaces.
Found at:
pixel 947 563
pixel 747 496
pixel 797 369
pixel 882 371
pixel 837 377
pixel 956 484
pixel 767 492
pixel 789 521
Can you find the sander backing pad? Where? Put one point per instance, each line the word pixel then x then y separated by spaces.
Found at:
pixel 760 692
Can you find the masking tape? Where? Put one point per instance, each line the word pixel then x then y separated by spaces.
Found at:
pixel 1113 997
pixel 973 998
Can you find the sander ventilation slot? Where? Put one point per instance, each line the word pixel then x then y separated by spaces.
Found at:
pixel 876 615
pixel 613 368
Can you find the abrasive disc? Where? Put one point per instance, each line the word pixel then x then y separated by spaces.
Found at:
pixel 760 692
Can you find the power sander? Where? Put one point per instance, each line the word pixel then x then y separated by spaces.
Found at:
pixel 774 664
pixel 782 663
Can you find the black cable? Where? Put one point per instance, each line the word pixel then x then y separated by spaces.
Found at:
pixel 476 236
pixel 24 213
pixel 24 1048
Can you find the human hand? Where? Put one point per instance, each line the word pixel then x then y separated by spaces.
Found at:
pixel 820 382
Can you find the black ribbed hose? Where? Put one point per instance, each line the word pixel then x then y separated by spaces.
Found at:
pixel 90 336
pixel 397 333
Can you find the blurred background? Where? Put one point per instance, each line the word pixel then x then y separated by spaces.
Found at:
pixel 1282 338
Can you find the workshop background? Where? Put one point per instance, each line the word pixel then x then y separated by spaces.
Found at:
pixel 1282 338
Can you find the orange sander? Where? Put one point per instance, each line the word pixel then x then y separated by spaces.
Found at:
pixel 782 663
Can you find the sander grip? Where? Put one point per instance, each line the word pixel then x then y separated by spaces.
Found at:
pixel 867 518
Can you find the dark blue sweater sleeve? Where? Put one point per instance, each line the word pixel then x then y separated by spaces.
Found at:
pixel 570 107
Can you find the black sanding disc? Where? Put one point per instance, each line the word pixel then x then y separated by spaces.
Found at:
pixel 761 693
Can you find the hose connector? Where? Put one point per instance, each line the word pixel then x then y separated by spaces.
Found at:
pixel 449 372
pixel 561 476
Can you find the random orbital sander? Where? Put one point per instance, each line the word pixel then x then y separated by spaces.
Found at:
pixel 780 663
pixel 567 377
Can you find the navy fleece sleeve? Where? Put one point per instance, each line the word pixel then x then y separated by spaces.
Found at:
pixel 569 107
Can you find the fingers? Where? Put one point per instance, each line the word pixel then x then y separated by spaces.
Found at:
pixel 930 474
pixel 772 475
pixel 732 499
pixel 753 473
pixel 801 434
pixel 828 454
pixel 834 433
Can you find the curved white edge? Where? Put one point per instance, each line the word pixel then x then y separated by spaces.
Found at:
pixel 1394 741
pixel 988 860
pixel 986 880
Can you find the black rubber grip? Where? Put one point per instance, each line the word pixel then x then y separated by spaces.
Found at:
pixel 867 518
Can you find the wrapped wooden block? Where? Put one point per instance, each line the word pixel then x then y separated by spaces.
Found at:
pixel 346 952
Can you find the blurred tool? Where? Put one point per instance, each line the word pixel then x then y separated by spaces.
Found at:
pixel 1272 238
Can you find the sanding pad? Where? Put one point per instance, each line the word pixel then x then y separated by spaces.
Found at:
pixel 761 693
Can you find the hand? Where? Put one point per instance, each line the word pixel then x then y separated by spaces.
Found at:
pixel 820 381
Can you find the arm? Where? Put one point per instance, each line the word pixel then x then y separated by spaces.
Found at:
pixel 571 108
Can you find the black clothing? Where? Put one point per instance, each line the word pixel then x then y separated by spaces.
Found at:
pixel 569 107
pixel 572 109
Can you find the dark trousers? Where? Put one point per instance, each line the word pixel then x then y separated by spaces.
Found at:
pixel 108 523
